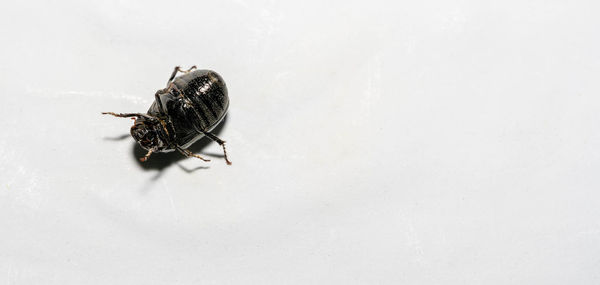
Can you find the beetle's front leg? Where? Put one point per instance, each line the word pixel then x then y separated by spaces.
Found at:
pixel 124 115
pixel 129 115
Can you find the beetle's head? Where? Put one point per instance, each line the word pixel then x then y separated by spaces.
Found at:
pixel 149 133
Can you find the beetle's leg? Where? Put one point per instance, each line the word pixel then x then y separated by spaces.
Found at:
pixel 129 115
pixel 178 69
pixel 173 75
pixel 124 115
pixel 158 102
pixel 189 69
pixel 142 159
pixel 189 153
pixel 172 86
pixel 220 142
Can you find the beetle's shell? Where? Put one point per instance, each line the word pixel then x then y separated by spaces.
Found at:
pixel 202 107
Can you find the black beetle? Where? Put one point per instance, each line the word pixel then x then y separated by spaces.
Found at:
pixel 187 109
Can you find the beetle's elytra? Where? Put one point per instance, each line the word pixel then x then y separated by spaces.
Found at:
pixel 187 109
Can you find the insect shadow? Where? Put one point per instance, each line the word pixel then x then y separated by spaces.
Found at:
pixel 117 138
pixel 160 161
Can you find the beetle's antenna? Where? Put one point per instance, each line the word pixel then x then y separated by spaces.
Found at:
pixel 142 159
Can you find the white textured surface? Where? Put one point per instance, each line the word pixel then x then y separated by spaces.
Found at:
pixel 431 142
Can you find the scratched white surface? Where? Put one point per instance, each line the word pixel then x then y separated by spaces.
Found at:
pixel 373 142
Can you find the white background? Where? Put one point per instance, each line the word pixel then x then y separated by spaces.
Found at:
pixel 373 142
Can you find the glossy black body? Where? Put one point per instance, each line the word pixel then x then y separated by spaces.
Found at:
pixel 196 104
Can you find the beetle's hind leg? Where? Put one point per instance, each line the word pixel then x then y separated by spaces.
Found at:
pixel 178 69
pixel 220 142
pixel 190 154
